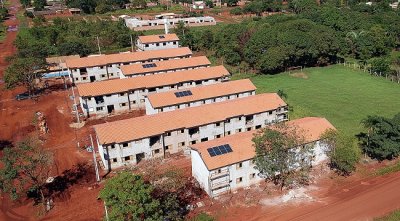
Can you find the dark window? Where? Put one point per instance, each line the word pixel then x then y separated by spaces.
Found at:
pixel 204 139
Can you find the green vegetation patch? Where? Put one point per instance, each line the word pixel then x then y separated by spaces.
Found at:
pixel 342 95
pixel 394 216
pixel 389 169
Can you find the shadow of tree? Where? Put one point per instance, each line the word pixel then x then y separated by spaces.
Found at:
pixel 80 174
pixel 4 144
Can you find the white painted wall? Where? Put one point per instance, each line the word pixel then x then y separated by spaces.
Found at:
pixel 201 173
pixel 179 139
pixel 136 97
pixel 82 75
pixel 156 45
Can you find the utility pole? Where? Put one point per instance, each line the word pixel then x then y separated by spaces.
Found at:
pixel 105 208
pixel 131 43
pixel 98 44
pixel 94 160
pixel 75 105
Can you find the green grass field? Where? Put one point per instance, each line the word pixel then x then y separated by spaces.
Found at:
pixel 342 95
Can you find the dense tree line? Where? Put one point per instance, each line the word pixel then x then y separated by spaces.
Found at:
pixel 75 37
pixel 62 38
pixel 313 35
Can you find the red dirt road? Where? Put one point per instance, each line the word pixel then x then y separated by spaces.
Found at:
pixel 359 200
pixel 363 201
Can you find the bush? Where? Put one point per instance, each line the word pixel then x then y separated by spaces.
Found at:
pixel 203 217
pixel 343 151
pixel 236 11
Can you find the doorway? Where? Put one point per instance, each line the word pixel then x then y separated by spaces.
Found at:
pixel 139 157
pixel 110 108
pixel 92 78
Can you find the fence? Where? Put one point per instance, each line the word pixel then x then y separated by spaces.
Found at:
pixel 363 67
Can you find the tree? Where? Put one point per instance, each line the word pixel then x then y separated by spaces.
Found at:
pixel 281 93
pixel 299 6
pixel 139 3
pixel 380 65
pixel 129 198
pixel 3 13
pixel 24 71
pixel 103 7
pixel 382 139
pixel 236 11
pixel 230 2
pixel 281 156
pixel 26 3
pixel 26 167
pixel 396 67
pixel 342 150
pixel 39 4
pixel 209 4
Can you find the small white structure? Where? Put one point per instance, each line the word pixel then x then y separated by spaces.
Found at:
pixel 157 42
pixel 141 25
pixel 106 97
pixel 167 66
pixel 129 141
pixel 226 164
pixel 192 97
pixel 105 67
pixel 199 5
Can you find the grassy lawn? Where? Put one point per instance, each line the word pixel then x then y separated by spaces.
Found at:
pixel 342 95
pixel 394 216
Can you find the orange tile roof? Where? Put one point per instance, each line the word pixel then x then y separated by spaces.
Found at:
pixel 138 56
pixel 243 147
pixel 158 38
pixel 168 98
pixel 165 65
pixel 122 85
pixel 150 125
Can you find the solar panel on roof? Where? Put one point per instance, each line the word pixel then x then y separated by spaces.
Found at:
pixel 183 93
pixel 152 65
pixel 211 152
pixel 219 150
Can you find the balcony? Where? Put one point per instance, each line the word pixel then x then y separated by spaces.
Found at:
pixel 217 175
pixel 218 185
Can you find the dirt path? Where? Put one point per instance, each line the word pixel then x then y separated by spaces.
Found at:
pixel 358 200
pixel 7 47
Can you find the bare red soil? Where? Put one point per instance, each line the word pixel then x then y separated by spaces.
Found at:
pixel 354 198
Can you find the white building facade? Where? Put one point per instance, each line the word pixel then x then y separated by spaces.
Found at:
pixel 140 25
pixel 105 67
pixel 110 97
pixel 175 136
pixel 157 42
pixel 229 171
